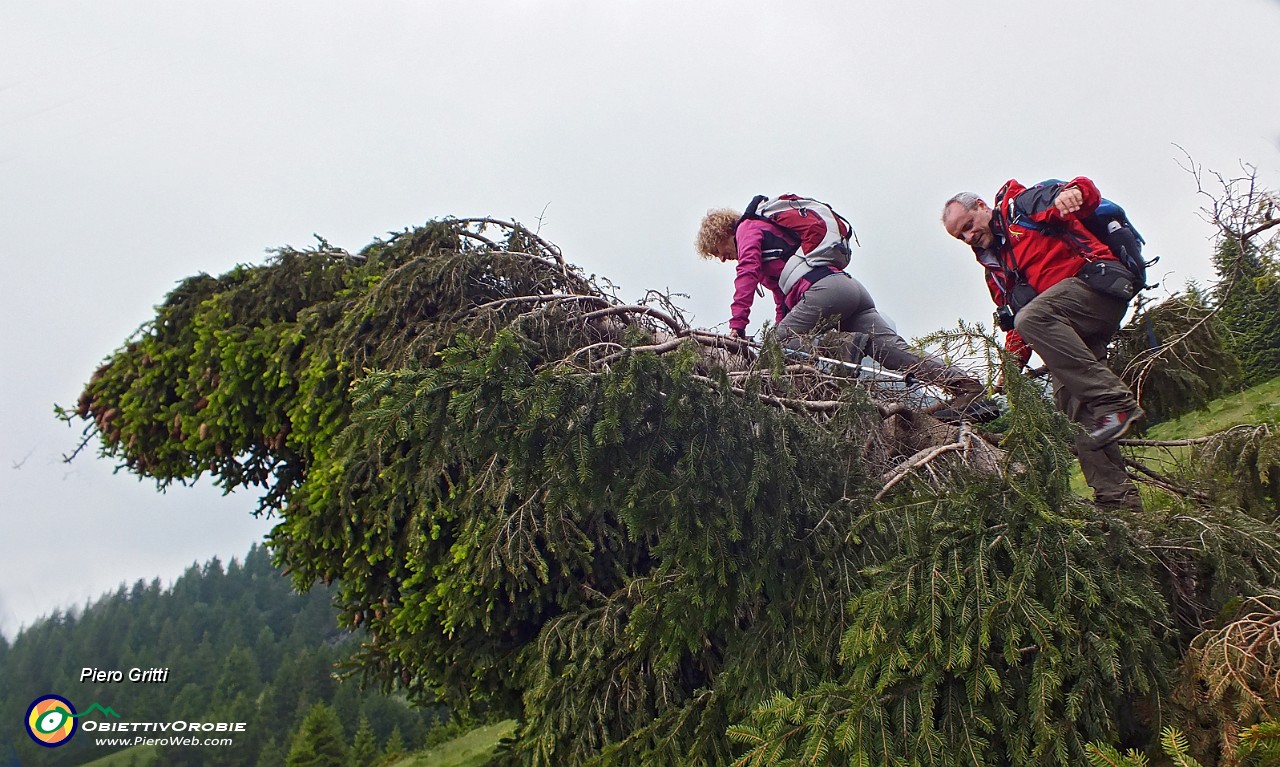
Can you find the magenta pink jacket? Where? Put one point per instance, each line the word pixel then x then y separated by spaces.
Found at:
pixel 754 271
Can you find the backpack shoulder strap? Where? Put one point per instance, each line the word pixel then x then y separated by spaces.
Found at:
pixel 779 242
pixel 753 207
pixel 1031 200
pixel 844 222
pixel 1001 229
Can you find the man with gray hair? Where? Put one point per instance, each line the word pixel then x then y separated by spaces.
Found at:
pixel 1035 249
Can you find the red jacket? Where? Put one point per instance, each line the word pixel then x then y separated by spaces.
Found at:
pixel 754 271
pixel 1043 258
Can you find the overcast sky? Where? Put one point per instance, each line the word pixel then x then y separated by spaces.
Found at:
pixel 142 142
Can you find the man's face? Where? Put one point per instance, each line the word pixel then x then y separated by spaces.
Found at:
pixel 972 227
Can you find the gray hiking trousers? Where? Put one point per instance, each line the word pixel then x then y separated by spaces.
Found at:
pixel 841 298
pixel 1069 326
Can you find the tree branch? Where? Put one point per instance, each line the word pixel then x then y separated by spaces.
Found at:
pixel 923 458
pixel 1259 229
pixel 1190 440
pixel 1165 483
pixel 822 406
pixel 667 319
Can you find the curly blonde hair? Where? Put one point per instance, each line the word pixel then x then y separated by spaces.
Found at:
pixel 717 226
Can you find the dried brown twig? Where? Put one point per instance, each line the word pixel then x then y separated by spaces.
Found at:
pixel 1150 476
pixel 1241 660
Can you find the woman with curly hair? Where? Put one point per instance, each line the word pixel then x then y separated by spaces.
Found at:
pixel 761 248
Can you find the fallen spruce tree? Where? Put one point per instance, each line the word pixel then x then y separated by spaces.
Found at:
pixel 652 545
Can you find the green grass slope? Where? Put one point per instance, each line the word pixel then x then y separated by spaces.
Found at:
pixel 472 749
pixel 1255 405
pixel 1259 404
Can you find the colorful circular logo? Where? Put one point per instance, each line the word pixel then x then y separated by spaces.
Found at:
pixel 51 720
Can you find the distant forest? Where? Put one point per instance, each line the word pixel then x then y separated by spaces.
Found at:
pixel 241 646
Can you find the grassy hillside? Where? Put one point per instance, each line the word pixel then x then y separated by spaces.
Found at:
pixel 472 749
pixel 1256 405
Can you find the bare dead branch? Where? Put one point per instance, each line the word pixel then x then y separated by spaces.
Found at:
pixel 823 406
pixel 1191 440
pixel 661 348
pixel 545 298
pixel 667 319
pixel 1259 229
pixel 479 237
pixel 483 221
pixel 1231 211
pixel 923 458
pixel 1164 483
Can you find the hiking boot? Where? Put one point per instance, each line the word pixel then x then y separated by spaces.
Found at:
pixel 1130 502
pixel 982 410
pixel 964 392
pixel 1113 426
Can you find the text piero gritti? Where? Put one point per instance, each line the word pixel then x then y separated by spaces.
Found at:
pixel 136 675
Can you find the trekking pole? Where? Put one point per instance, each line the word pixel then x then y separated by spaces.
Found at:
pixel 876 374
pixel 858 368
pixel 928 390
